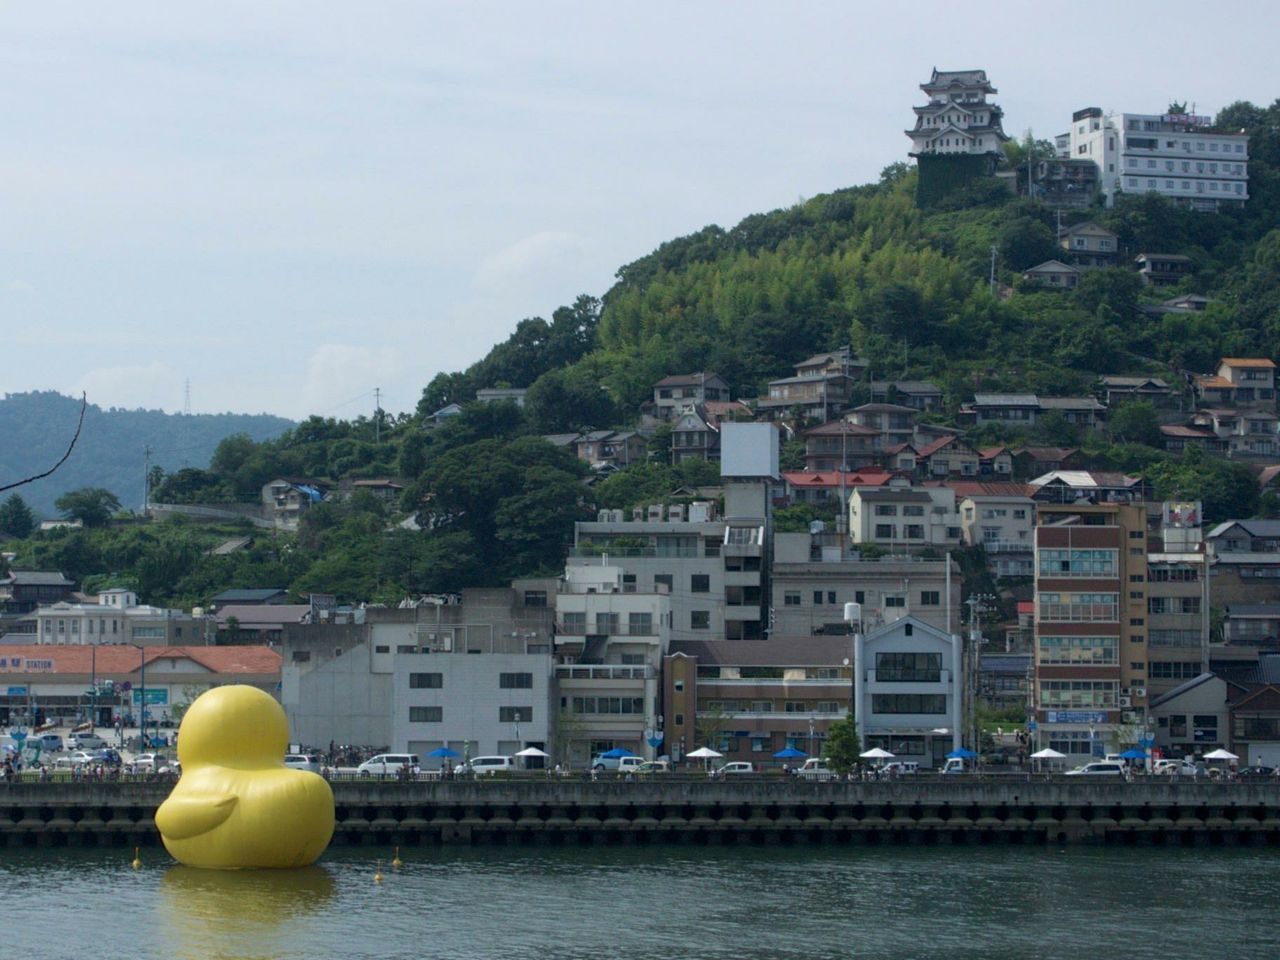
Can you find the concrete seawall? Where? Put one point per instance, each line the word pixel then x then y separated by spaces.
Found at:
pixel 526 811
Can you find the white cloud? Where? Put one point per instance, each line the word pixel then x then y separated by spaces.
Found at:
pixel 340 379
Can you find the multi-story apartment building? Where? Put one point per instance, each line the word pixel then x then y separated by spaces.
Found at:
pixel 610 645
pixel 1091 622
pixel 712 569
pixel 749 700
pixel 1177 155
pixel 810 582
pixel 1177 600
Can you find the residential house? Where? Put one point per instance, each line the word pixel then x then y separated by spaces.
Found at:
pixel 257 596
pixel 514 395
pixel 24 590
pixel 695 435
pixel 995 463
pixel 905 518
pixel 1176 437
pixel 751 699
pixel 822 387
pixel 901 458
pixel 1185 303
pixel 1252 624
pixel 917 394
pixel 672 394
pixel 1254 379
pixel 1034 461
pixel 894 422
pixel 286 499
pixel 446 412
pixel 947 457
pixel 1245 433
pixel 908 690
pixel 1117 390
pixel 1000 517
pixel 615 448
pixel 1177 589
pixel 828 486
pixel 1005 681
pixel 1053 274
pixel 1089 486
pixel 812 578
pixel 384 489
pixel 1193 718
pixel 1084 412
pixel 1008 409
pixel 1162 269
pixel 257 623
pixel 1244 562
pixel 840 444
pixel 1063 182
pixel 1089 245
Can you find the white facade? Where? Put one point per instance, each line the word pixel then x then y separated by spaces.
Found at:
pixel 117 618
pixel 908 690
pixel 957 118
pixel 495 703
pixel 1003 526
pixel 1176 156
pixel 899 516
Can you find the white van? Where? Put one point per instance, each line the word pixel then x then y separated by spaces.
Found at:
pixel 815 768
pixel 387 765
pixel 85 741
pixel 487 766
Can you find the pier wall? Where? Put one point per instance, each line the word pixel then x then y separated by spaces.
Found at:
pixel 554 811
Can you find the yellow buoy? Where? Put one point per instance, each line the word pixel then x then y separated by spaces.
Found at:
pixel 137 863
pixel 397 863
pixel 377 876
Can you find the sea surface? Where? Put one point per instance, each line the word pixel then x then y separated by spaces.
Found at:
pixel 735 903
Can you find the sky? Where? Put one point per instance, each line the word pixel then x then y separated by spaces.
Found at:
pixel 290 205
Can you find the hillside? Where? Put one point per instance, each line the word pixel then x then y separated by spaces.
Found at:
pixel 36 428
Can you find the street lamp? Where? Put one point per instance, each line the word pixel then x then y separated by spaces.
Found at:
pixel 142 692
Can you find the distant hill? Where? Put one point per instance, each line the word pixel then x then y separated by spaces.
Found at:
pixel 35 429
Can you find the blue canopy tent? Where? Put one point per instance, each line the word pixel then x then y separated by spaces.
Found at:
pixel 963 753
pixel 790 753
pixel 617 753
pixel 1134 754
pixel 443 752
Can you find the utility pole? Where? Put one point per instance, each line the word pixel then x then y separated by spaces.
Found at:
pixel 146 479
pixel 977 604
pixel 377 414
pixel 992 281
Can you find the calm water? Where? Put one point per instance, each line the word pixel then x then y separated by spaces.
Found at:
pixel 655 902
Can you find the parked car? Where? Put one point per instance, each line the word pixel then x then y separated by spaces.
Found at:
pixel 173 766
pixel 1259 772
pixel 654 766
pixel 487 766
pixel 85 741
pixel 1175 767
pixel 150 762
pixel 303 761
pixel 387 764
pixel 901 768
pixel 956 765
pixel 1099 768
pixel 815 768
pixel 81 758
pixel 49 742
pixel 733 769
pixel 108 756
pixel 602 763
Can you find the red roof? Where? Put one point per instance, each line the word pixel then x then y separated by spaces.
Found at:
pixel 831 478
pixel 1026 606
pixel 122 659
pixel 1248 362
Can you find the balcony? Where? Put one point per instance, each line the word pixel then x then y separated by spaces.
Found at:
pixel 574 672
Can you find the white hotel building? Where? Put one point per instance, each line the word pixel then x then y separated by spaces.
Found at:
pixel 1179 156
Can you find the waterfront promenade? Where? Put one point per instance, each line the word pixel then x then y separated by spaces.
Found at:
pixel 696 810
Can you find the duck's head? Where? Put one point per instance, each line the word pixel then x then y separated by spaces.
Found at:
pixel 233 726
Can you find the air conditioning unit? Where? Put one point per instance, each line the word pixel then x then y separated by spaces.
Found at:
pixel 1129 716
pixel 443 645
pixel 1139 692
pixel 603 516
pixel 1126 701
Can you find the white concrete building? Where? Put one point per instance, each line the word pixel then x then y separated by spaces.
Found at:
pixel 117 617
pixel 908 690
pixel 1179 156
pixel 1000 517
pixel 905 518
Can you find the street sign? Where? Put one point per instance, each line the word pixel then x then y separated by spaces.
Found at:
pixel 126 686
pixel 1146 742
pixel 17 691
pixel 1032 726
pixel 157 696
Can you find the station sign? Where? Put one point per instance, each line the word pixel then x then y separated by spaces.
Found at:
pixel 1075 716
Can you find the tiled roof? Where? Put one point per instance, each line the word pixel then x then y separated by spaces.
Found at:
pixel 976 488
pixel 123 659
pixel 1005 399
pixel 1070 403
pixel 1194 433
pixel 37 578
pixel 685 379
pixel 247 596
pixel 1211 381
pixel 831 478
pixel 838 428
pixel 1248 362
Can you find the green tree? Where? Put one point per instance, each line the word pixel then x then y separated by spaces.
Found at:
pixel 1025 242
pixel 1136 422
pixel 16 518
pixel 92 506
pixel 843 744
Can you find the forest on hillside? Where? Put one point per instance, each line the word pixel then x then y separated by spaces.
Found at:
pixel 908 289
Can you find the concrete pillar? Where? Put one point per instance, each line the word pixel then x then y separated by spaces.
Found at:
pixel 957 691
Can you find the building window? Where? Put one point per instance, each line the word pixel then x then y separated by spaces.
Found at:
pixel 426 681
pixel 919 703
pixel 1078 694
pixel 679 719
pixel 640 624
pixel 884 531
pixel 515 714
pixel 895 601
pixel 1078 563
pixel 929 598
pixel 302 656
pixel 886 510
pixel 817 598
pixel 426 714
pixel 535 598
pixel 406 648
pixel 1174 670
pixel 909 667
pixel 700 583
pixel 1078 651
pixel 515 681
pixel 791 598
pixel 382 648
pixel 663 582
pixel 1056 607
pixel 831 597
pixel 699 620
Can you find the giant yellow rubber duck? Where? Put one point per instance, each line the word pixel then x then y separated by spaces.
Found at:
pixel 237 805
